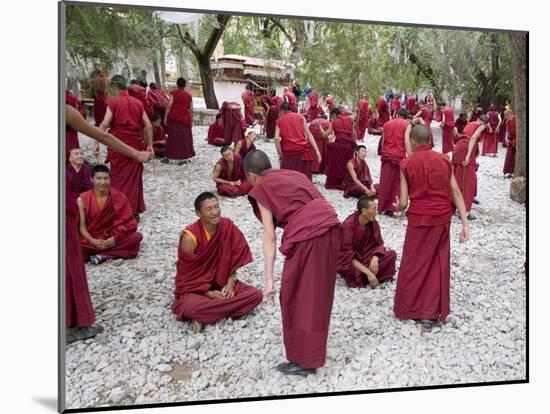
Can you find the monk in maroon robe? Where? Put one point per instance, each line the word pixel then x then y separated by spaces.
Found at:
pixel 79 310
pixel 330 103
pixel 71 136
pixel 393 152
pixel 179 119
pixel 78 173
pixel 248 102
pixel 395 106
pixel 159 136
pixel 210 252
pixel 363 116
pixel 233 122
pixel 358 181
pixel 310 244
pixel 510 160
pixel 108 228
pixel 383 113
pixel 411 105
pixel 274 107
pixel 294 143
pixel 490 135
pixel 140 93
pixel 423 282
pixel 476 113
pixel 363 259
pixel 244 146
pixel 419 121
pixel 216 132
pixel 447 125
pixel 289 97
pixel 158 101
pixel 340 150
pixel 316 128
pixel 229 174
pixel 99 94
pixel 460 123
pixel 128 122
pixel 314 110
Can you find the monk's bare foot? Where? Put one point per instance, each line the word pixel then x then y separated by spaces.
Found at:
pixel 290 368
pixel 196 326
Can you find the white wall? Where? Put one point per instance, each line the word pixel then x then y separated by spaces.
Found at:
pixel 230 92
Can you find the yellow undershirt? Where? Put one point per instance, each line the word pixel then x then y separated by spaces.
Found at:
pixel 194 238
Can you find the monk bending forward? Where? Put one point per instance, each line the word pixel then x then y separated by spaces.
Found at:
pixel 423 282
pixel 209 253
pixel 310 244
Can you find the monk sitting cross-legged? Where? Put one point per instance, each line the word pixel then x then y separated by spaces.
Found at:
pixel 215 132
pixel 363 259
pixel 358 180
pixel 108 228
pixel 229 175
pixel 209 253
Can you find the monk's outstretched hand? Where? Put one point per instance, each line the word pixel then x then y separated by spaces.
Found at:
pixel 465 233
pixel 269 291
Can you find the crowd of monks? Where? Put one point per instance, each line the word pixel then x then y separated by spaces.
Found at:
pixel 433 185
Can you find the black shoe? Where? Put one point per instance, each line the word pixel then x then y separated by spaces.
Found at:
pixel 475 201
pixel 97 259
pixel 165 161
pixel 389 214
pixel 470 217
pixel 427 325
pixel 136 216
pixel 290 368
pixel 81 333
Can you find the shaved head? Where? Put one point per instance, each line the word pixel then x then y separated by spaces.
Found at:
pixel 256 162
pixel 484 118
pixel 420 134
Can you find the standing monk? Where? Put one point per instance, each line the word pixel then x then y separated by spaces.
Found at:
pixel 291 99
pixel 139 92
pixel 99 94
pixel 209 253
pixel 311 242
pixel 423 283
pixel 364 112
pixel 340 151
pixel 248 102
pixel 215 132
pixel 490 135
pixel 358 181
pixel 273 109
pixel 126 118
pixel 233 122
pixel 447 125
pixel 314 110
pixel 79 311
pixel 383 114
pixel 294 143
pixel 395 106
pixel 158 101
pixel 316 128
pixel 510 139
pixel 363 259
pixel 179 119
pixel 393 152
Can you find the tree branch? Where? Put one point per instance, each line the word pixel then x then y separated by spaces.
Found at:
pixel 282 29
pixel 215 35
pixel 188 40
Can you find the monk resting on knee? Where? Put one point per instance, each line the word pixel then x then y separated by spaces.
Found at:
pixel 209 253
pixel 229 175
pixel 108 228
pixel 363 259
pixel 358 180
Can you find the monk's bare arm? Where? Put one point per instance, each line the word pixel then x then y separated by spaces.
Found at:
pixel 278 141
pixel 459 203
pixel 473 142
pixel 82 223
pixel 238 147
pixel 403 201
pixel 269 247
pixel 168 108
pixel 418 114
pixel 148 130
pixel 312 140
pixel 216 176
pixel 107 119
pixel 187 244
pixel 351 171
pixel 408 146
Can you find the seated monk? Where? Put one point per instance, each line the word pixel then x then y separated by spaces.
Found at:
pixel 363 259
pixel 108 228
pixel 78 173
pixel 215 132
pixel 159 136
pixel 228 174
pixel 209 253
pixel 358 181
pixel 244 146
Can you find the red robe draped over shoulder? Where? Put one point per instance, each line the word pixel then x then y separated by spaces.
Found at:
pixel 179 145
pixel 100 106
pixel 248 101
pixel 80 181
pixel 235 174
pixel 114 219
pixel 510 160
pixel 139 92
pixel 362 244
pixel 448 130
pixel 215 258
pixel 314 110
pixel 339 152
pixel 362 172
pixel 315 129
pixel 291 100
pixel 216 134
pixel 233 122
pixel 466 177
pixel 383 113
pixel 364 116
pixel 310 244
pixel 158 101
pixel 295 148
pixel 490 139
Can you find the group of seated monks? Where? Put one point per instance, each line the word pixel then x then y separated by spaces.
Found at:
pixel 212 249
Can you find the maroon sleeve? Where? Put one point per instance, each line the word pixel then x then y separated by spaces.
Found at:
pixel 124 222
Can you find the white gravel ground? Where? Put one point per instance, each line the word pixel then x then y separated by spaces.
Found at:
pixel 146 356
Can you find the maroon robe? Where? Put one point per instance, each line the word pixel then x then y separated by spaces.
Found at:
pixel 127 125
pixel 423 282
pixel 374 129
pixel 383 113
pixel 248 101
pixel 314 110
pixel 80 181
pixel 395 106
pixel 100 106
pixel 245 148
pixel 233 175
pixel 363 244
pixel 510 160
pixel 159 141
pixel 362 172
pixel 321 141
pixel 460 123
pixel 339 152
pixel 209 268
pixel 233 122
pixel 490 139
pixel 393 151
pixel 272 116
pixel 364 116
pixel 475 115
pixel 448 130
pixel 427 117
pixel 114 219
pixel 295 148
pixel 330 103
pixel 291 100
pixel 411 105
pixel 466 177
pixel 158 101
pixel 139 92
pixel 215 134
pixel 310 244
pixel 179 145
pixel 71 135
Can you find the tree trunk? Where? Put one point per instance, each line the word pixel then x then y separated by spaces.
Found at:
pixel 428 72
pixel 207 83
pixel 518 43
pixel 156 71
pixel 162 59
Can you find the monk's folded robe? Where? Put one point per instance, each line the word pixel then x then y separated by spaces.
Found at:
pixel 233 122
pixel 80 181
pixel 315 129
pixel 363 244
pixel 100 106
pixel 490 139
pixel 215 134
pixel 139 92
pixel 510 160
pixel 339 152
pixel 159 141
pixel 179 145
pixel 248 101
pixel 393 151
pixel 423 282
pixel 466 177
pixel 215 258
pixel 234 174
pixel 127 125
pixel 362 172
pixel 295 148
pixel 310 244
pixel 114 219
pixel 448 130
pixel 364 116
